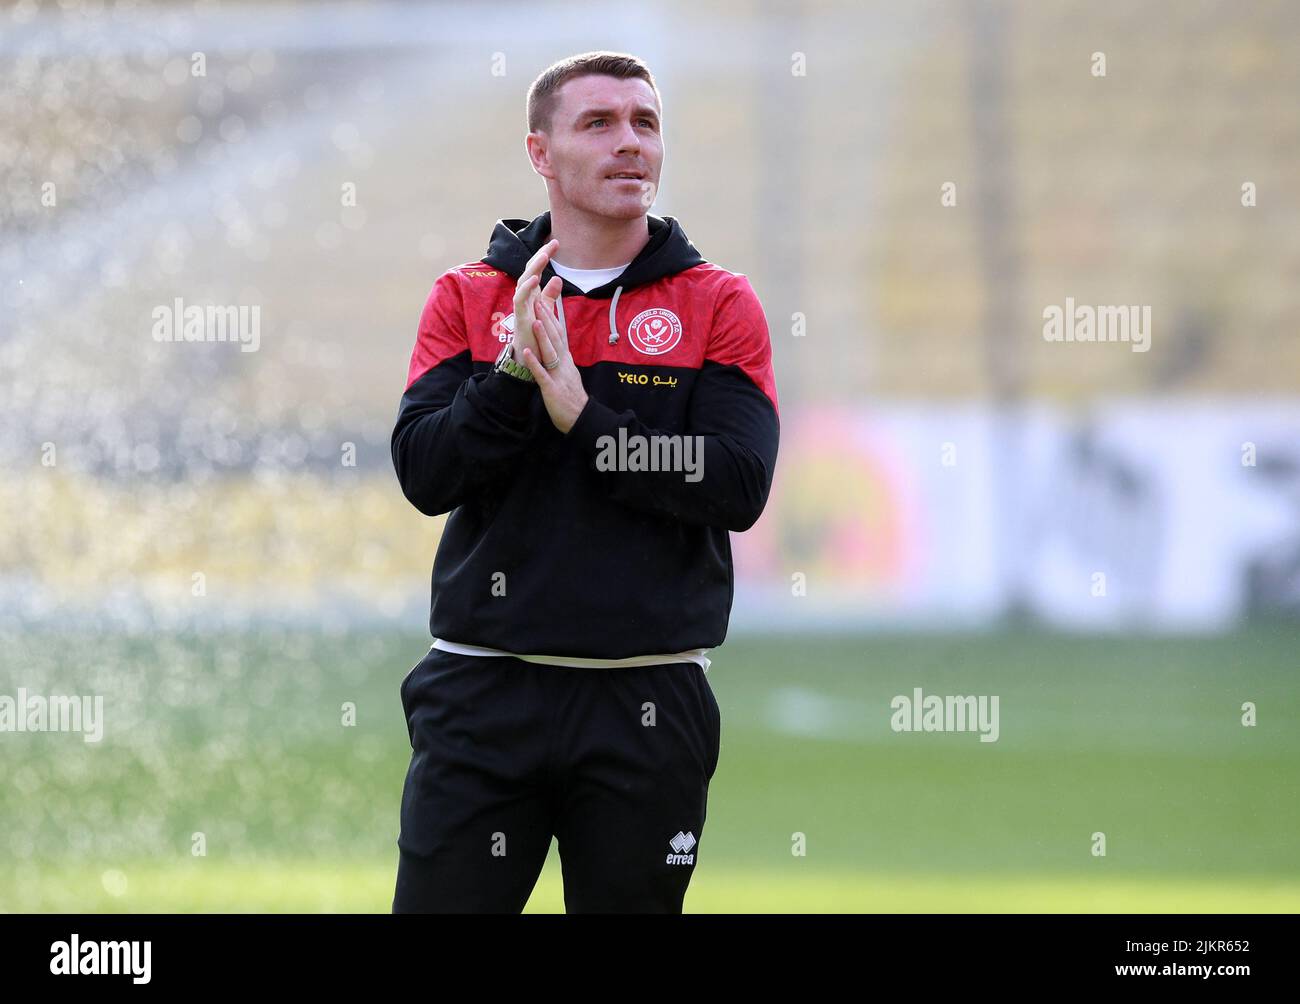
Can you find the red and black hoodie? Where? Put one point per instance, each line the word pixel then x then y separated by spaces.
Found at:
pixel 543 552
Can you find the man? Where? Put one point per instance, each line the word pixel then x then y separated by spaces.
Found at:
pixel 580 578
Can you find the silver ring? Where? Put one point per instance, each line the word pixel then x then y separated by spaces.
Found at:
pixel 552 365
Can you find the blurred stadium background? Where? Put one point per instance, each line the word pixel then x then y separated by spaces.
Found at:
pixel 182 534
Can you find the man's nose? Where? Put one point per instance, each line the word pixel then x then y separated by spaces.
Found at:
pixel 628 140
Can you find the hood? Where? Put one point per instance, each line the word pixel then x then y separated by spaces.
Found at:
pixel 668 252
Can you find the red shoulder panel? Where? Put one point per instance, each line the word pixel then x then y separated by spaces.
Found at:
pixel 442 327
pixel 740 335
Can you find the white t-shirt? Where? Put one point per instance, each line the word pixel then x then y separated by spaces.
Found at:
pixel 587 279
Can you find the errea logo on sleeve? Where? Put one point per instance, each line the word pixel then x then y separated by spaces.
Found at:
pixel 503 325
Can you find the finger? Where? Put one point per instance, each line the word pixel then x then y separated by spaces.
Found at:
pixel 545 344
pixel 563 326
pixel 537 263
pixel 524 290
pixel 540 373
pixel 525 311
pixel 554 330
pixel 548 296
pixel 552 290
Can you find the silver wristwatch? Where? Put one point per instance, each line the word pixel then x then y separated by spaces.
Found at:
pixel 506 364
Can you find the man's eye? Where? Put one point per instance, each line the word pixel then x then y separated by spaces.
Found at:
pixel 594 121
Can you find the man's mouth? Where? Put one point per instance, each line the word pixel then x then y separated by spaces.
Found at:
pixel 625 176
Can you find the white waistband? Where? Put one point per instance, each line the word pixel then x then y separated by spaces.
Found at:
pixel 695 655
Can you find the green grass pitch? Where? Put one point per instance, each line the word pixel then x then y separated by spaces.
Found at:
pixel 240 738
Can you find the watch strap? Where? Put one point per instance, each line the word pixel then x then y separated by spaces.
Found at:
pixel 506 364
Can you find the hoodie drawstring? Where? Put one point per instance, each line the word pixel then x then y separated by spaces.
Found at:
pixel 613 324
pixel 613 310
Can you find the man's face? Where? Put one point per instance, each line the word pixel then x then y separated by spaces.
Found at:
pixel 602 126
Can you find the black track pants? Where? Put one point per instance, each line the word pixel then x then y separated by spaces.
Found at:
pixel 614 763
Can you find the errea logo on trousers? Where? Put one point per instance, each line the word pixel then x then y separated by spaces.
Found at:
pixel 681 844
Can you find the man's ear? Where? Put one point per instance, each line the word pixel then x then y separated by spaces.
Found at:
pixel 538 145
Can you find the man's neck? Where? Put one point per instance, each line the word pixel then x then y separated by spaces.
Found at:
pixel 588 241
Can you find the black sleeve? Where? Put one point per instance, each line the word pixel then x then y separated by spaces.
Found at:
pixel 457 431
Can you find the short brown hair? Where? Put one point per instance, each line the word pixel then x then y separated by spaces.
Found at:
pixel 542 95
